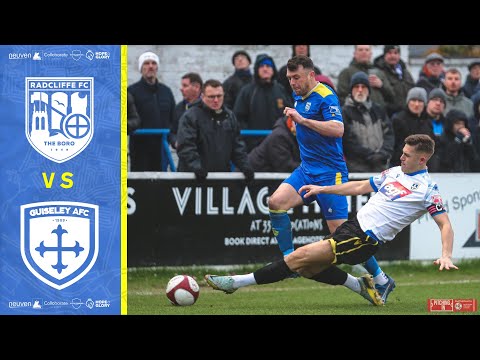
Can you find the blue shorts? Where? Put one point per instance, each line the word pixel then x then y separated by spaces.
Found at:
pixel 333 206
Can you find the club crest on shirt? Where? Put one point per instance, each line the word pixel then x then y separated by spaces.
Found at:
pixel 394 190
pixel 437 200
pixel 307 106
pixel 334 110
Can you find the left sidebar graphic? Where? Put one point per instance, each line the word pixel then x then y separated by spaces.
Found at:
pixel 61 155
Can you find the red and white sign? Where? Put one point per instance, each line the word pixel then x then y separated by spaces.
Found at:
pixel 452 305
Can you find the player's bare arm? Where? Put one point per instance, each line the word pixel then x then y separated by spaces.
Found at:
pixel 325 128
pixel 445 262
pixel 349 188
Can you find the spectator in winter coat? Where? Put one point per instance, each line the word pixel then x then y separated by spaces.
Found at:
pixel 455 98
pixel 261 102
pixel 457 153
pixel 432 73
pixel 397 74
pixel 191 89
pixel 156 107
pixel 472 82
pixel 368 136
pixel 411 120
pixel 241 61
pixel 381 90
pixel 209 137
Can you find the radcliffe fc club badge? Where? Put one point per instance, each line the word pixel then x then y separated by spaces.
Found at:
pixel 59 115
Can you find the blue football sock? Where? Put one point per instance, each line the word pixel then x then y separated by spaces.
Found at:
pixel 282 229
pixel 372 266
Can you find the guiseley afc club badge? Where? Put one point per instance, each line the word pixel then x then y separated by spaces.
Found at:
pixel 59 240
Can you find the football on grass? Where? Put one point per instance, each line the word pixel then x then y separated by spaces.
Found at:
pixel 182 290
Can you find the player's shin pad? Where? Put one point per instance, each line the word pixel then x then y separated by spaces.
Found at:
pixel 282 229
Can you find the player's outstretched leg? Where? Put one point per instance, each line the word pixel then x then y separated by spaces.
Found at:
pixel 282 229
pixel 270 273
pixel 383 283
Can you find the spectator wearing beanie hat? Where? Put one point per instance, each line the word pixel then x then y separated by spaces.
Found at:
pixel 435 109
pixel 412 119
pixel 417 93
pixel 360 78
pixel 282 73
pixel 432 73
pixel 147 56
pixel 438 94
pixel 242 75
pixel 368 138
pixel 437 100
pixel 472 82
pixel 397 75
pixel 241 52
pixel 156 108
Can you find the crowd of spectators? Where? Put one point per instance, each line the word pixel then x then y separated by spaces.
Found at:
pixel 381 106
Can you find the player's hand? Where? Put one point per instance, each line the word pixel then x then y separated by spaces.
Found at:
pixel 293 114
pixel 445 263
pixel 310 190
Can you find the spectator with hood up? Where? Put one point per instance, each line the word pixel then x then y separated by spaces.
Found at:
pixel 457 152
pixel 261 103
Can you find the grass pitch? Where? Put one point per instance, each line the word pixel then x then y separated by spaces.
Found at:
pixel 416 282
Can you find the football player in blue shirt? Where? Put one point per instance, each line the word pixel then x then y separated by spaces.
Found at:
pixel 319 127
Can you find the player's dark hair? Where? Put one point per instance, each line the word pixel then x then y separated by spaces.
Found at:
pixel 423 143
pixel 298 60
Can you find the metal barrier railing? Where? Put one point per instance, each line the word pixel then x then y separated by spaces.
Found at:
pixel 167 159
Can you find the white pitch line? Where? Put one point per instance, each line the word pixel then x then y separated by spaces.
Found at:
pixel 324 287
